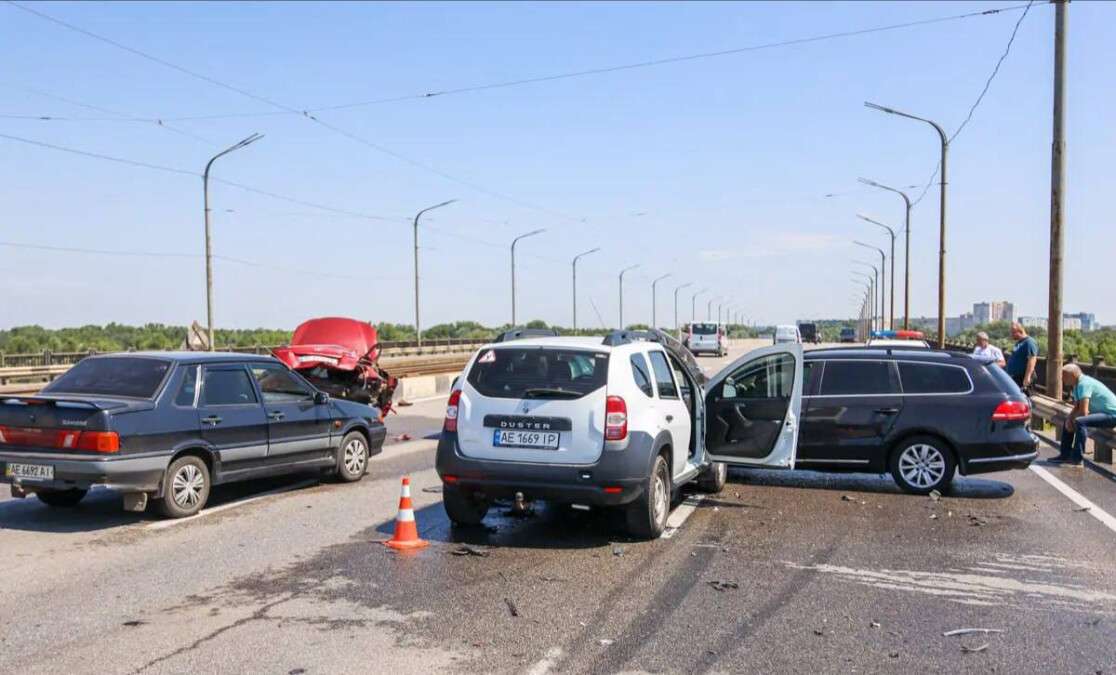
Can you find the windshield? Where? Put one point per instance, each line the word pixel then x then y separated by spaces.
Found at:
pixel 130 377
pixel 703 328
pixel 538 372
pixel 785 331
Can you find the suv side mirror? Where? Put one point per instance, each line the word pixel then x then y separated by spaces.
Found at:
pixel 321 398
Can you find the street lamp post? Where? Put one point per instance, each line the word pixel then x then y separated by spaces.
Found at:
pixel 941 214
pixel 418 320
pixel 678 326
pixel 514 242
pixel 709 308
pixel 869 297
pixel 892 233
pixel 654 303
pixel 906 254
pixel 579 255
pixel 208 242
pixel 873 285
pixel 626 269
pixel 883 269
pixel 693 304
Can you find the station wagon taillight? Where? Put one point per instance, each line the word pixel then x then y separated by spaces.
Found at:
pixel 451 411
pixel 616 419
pixel 1012 411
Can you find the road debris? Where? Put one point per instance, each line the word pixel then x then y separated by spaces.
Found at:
pixel 469 551
pixel 399 438
pixel 618 551
pixel 976 521
pixel 722 586
pixel 605 642
pixel 973 650
pixel 893 655
pixel 969 631
pixel 1082 508
pixel 935 496
pixel 874 624
pixel 433 489
pixel 819 632
pixel 512 609
pixel 134 623
pixel 933 516
pixel 402 403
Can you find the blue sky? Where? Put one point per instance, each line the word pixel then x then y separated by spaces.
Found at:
pixel 713 170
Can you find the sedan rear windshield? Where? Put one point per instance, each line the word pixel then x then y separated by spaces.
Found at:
pixel 704 329
pixel 538 372
pixel 126 376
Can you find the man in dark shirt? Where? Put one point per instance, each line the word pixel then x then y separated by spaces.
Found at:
pixel 1021 363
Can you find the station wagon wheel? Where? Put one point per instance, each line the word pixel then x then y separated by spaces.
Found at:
pixel 352 459
pixel 185 487
pixel 922 464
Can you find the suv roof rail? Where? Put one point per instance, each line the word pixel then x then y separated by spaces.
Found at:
pixel 623 337
pixel 524 333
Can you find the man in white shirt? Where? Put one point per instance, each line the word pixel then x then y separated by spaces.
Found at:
pixel 988 352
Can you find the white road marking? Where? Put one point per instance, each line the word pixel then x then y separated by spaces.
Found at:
pixel 684 510
pixel 163 524
pixel 426 398
pixel 1076 497
pixel 547 663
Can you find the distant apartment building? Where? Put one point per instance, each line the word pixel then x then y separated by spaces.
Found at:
pixel 1088 321
pixel 987 312
pixel 1081 321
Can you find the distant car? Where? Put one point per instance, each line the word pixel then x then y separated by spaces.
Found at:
pixel 787 334
pixel 809 332
pixel 920 415
pixel 848 335
pixel 169 426
pixel 706 338
pixel 912 339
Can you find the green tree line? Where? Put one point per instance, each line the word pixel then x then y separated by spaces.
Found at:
pixel 1085 346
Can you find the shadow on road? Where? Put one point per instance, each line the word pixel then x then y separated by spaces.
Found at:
pixel 963 488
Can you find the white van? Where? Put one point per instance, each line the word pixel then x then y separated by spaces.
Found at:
pixel 706 338
pixel 787 334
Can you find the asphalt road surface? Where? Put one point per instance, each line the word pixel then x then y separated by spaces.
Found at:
pixel 783 571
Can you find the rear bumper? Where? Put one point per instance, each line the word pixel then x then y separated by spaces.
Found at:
pixel 128 474
pixel 622 472
pixel 1001 457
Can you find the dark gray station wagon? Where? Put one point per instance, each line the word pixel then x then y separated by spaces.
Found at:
pixel 169 426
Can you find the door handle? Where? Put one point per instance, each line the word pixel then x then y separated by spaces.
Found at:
pixel 212 419
pixel 670 418
pixel 276 415
pixel 887 411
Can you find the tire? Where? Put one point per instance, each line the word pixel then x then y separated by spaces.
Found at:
pixel 352 457
pixel 647 515
pixel 922 464
pixel 463 509
pixel 61 499
pixel 186 487
pixel 712 480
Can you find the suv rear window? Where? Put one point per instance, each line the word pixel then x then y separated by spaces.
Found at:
pixel 929 378
pixel 126 376
pixel 704 329
pixel 538 372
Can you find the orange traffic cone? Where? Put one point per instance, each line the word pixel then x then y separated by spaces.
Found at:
pixel 406 532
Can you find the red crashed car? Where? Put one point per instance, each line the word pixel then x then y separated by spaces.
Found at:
pixel 341 357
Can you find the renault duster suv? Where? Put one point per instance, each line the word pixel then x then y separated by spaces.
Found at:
pixel 618 421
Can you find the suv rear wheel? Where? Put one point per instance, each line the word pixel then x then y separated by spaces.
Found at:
pixel 647 515
pixel 922 464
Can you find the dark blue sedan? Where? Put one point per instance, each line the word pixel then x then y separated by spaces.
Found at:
pixel 168 426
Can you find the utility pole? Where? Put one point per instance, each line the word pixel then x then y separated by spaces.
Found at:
pixel 1057 195
pixel 579 255
pixel 514 242
pixel 654 302
pixel 208 242
pixel 941 213
pixel 906 256
pixel 678 326
pixel 418 320
pixel 626 269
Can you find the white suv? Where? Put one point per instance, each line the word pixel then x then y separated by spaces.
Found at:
pixel 616 421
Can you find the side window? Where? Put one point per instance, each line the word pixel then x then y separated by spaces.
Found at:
pixel 811 377
pixel 857 378
pixel 641 375
pixel 680 378
pixel 768 377
pixel 928 378
pixel 228 387
pixel 278 385
pixel 188 388
pixel 663 379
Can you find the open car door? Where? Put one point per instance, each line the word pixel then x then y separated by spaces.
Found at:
pixel 753 407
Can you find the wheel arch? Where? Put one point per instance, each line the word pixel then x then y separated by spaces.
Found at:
pixel 897 444
pixel 205 454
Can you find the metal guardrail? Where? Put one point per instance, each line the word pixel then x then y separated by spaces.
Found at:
pixel 1046 409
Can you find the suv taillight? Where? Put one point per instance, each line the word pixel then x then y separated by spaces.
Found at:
pixel 1012 411
pixel 616 419
pixel 451 411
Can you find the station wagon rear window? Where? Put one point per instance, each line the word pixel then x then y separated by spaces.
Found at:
pixel 538 372
pixel 127 376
